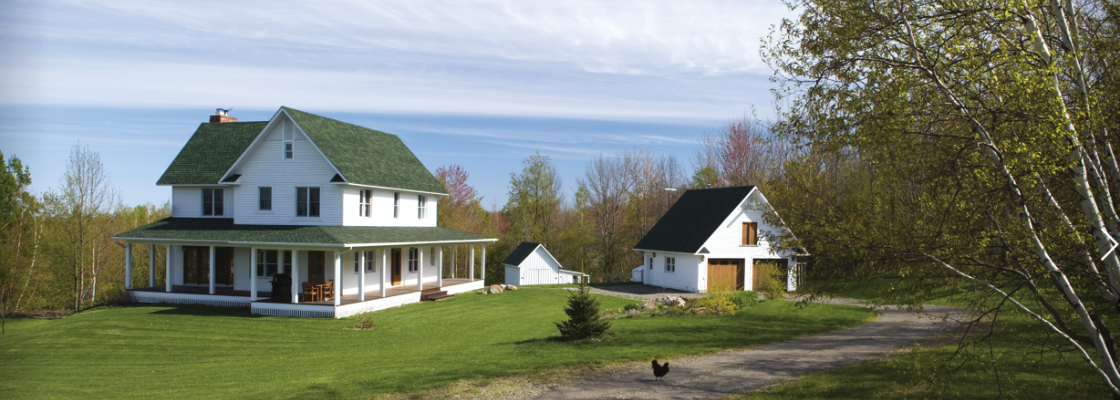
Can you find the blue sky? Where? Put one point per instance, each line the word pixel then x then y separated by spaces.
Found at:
pixel 481 84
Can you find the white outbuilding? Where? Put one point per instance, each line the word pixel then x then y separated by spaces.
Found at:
pixel 531 264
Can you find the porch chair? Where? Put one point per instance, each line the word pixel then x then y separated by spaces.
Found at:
pixel 311 292
pixel 328 291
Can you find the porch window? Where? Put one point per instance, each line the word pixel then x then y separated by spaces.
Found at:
pixel 213 202
pixel 364 202
pixel 396 205
pixel 196 265
pixel 307 202
pixel 264 193
pixel 413 259
pixel 423 201
pixel 268 263
pixel 432 257
pixel 670 264
pixel 369 262
pixel 750 234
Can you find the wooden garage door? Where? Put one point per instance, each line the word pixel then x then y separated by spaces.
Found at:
pixel 726 271
pixel 762 267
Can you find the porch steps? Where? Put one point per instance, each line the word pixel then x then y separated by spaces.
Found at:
pixel 434 294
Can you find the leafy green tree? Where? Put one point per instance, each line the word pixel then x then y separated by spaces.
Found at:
pixel 981 150
pixel 534 200
pixel 15 203
pixel 583 316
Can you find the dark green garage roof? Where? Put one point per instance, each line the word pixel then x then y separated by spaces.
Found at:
pixel 223 230
pixel 693 219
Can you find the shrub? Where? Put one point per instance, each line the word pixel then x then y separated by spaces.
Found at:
pixel 717 300
pixel 632 306
pixel 583 316
pixel 744 299
pixel 771 282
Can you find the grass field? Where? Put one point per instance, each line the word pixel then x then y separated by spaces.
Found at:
pixel 208 352
pixel 1008 365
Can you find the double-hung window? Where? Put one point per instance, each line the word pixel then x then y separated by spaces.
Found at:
pixel 307 202
pixel 423 208
pixel 396 205
pixel 369 262
pixel 432 257
pixel 289 142
pixel 268 262
pixel 364 202
pixel 413 259
pixel 670 264
pixel 264 195
pixel 357 261
pixel 213 202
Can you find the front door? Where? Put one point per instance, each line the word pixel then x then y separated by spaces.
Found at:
pixel 316 267
pixel 396 267
pixel 766 267
pixel 728 273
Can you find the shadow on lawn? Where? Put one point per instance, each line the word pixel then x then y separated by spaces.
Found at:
pixel 198 310
pixel 317 392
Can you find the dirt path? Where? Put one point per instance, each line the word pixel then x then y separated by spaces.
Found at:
pixel 722 374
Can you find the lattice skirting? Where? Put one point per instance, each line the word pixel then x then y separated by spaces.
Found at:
pixel 293 313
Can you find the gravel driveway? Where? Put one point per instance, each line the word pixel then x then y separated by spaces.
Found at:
pixel 722 374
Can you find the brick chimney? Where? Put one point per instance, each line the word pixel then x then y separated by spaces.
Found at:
pixel 222 115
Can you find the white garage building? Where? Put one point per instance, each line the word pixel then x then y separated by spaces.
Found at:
pixel 531 264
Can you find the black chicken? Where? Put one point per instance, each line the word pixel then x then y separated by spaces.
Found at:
pixel 660 370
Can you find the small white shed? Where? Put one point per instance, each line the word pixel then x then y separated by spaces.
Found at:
pixel 531 264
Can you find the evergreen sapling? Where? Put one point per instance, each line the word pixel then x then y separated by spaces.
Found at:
pixel 583 316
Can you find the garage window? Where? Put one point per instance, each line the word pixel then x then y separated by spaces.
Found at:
pixel 670 264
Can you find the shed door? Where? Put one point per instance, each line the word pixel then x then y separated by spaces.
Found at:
pixel 762 267
pixel 726 271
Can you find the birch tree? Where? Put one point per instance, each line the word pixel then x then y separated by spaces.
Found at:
pixel 985 131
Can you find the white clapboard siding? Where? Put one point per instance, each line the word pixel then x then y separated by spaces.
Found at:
pixel 686 276
pixel 264 165
pixel 538 268
pixel 381 208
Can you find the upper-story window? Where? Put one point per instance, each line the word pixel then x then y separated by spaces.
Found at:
pixel 264 196
pixel 750 234
pixel 307 202
pixel 213 202
pixel 364 202
pixel 670 264
pixel 423 211
pixel 289 142
pixel 396 205
pixel 413 259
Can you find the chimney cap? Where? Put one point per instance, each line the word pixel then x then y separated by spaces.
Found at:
pixel 222 115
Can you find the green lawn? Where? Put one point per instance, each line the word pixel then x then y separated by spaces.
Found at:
pixel 1009 365
pixel 193 351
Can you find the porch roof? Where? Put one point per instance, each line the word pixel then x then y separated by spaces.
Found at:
pixel 223 230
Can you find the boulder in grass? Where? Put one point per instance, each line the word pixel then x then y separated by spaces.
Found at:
pixel 511 287
pixel 495 289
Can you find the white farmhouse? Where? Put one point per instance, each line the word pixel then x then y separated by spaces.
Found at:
pixel 712 235
pixel 531 264
pixel 341 216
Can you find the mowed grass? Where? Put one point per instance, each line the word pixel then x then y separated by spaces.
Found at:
pixel 209 352
pixel 1010 364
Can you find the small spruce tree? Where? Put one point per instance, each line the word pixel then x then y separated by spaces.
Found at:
pixel 583 316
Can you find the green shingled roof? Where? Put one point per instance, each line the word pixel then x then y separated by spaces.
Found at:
pixel 210 152
pixel 223 230
pixel 363 156
pixel 366 156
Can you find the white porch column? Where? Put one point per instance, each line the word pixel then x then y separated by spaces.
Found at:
pixel 471 263
pixel 151 265
pixel 252 273
pixel 483 262
pixel 362 276
pixel 213 266
pixel 167 276
pixel 337 281
pixel 384 266
pixel 419 268
pixel 439 262
pixel 296 288
pixel 453 261
pixel 127 265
